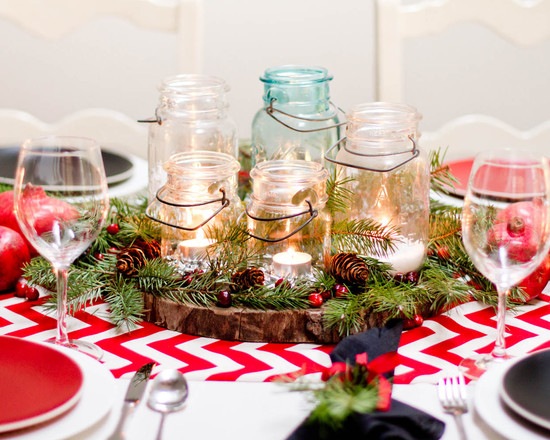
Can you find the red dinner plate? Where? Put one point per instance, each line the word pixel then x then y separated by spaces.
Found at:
pixel 37 383
pixel 460 169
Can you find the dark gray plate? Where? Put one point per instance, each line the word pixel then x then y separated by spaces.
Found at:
pixel 526 388
pixel 117 168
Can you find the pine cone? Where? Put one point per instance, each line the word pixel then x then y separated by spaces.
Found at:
pixel 250 277
pixel 151 248
pixel 128 261
pixel 349 268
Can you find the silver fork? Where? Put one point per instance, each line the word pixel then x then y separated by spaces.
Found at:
pixel 453 398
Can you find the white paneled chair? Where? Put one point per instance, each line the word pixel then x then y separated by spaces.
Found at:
pixel 523 23
pixel 53 19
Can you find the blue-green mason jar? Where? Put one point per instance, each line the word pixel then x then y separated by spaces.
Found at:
pixel 298 120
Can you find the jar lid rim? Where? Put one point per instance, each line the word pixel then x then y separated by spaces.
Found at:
pixel 294 74
pixel 271 169
pixel 193 84
pixel 384 112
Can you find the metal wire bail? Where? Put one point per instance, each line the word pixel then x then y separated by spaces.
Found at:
pixel 224 204
pixel 413 151
pixel 270 110
pixel 312 214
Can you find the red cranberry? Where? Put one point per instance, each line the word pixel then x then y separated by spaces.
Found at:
pixel 413 322
pixel 21 288
pixel 224 299
pixel 412 277
pixel 285 284
pixel 399 277
pixel 315 299
pixel 32 293
pixel 326 295
pixel 113 228
pixel 340 290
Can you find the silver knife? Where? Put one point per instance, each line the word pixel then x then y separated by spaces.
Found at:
pixel 133 395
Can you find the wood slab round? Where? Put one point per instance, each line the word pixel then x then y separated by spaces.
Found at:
pixel 239 324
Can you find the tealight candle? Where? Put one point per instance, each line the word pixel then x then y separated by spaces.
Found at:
pixel 195 248
pixel 408 256
pixel 291 263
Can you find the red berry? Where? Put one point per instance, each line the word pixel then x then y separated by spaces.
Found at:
pixel 340 290
pixel 443 252
pixel 113 228
pixel 410 323
pixel 113 250
pixel 224 299
pixel 326 294
pixel 20 288
pixel 285 284
pixel 399 277
pixel 99 256
pixel 315 299
pixel 32 293
pixel 412 277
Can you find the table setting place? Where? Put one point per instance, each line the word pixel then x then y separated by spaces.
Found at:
pixel 311 283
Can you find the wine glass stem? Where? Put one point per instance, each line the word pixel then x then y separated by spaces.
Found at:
pixel 499 351
pixel 61 337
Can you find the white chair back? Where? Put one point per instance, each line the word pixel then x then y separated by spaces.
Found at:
pixel 53 19
pixel 523 23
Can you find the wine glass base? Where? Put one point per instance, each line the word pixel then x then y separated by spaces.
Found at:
pixel 84 347
pixel 473 367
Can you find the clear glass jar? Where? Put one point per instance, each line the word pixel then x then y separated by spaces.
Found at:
pixel 192 115
pixel 287 218
pixel 199 198
pixel 297 121
pixel 389 178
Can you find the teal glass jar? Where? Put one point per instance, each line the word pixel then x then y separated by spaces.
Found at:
pixel 297 120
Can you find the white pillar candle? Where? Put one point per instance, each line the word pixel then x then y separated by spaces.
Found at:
pixel 195 248
pixel 408 256
pixel 291 263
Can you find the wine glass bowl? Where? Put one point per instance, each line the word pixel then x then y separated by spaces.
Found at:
pixel 61 202
pixel 505 229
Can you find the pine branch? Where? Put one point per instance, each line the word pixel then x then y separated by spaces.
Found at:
pixel 125 302
pixel 364 237
pixel 339 195
pixel 280 297
pixel 441 176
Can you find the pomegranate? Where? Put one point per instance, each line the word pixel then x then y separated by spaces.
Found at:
pixel 14 253
pixel 7 217
pixel 534 284
pixel 47 210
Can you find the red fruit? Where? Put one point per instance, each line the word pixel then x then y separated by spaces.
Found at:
pixel 443 252
pixel 14 253
pixel 520 247
pixel 47 210
pixel 412 277
pixel 534 284
pixel 315 300
pixel 21 288
pixel 416 321
pixel 113 228
pixel 326 295
pixel 8 219
pixel 224 299
pixel 340 290
pixel 32 293
pixel 285 284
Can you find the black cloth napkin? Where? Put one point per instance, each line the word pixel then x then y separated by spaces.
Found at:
pixel 401 422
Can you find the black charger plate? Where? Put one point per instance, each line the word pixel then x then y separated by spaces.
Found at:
pixel 117 168
pixel 526 388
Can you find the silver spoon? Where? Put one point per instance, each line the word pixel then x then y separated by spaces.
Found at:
pixel 169 392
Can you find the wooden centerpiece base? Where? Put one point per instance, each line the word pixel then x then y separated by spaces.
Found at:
pixel 239 324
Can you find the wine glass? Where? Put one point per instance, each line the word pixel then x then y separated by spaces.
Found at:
pixel 61 202
pixel 505 229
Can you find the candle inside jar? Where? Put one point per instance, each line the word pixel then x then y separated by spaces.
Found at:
pixel 291 263
pixel 194 248
pixel 408 256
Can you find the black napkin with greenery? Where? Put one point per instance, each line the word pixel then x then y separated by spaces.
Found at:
pixel 401 422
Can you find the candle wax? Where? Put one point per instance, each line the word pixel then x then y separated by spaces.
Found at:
pixel 195 248
pixel 291 263
pixel 408 256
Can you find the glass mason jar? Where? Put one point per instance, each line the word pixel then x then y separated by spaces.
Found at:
pixel 297 121
pixel 199 198
pixel 389 178
pixel 287 218
pixel 191 116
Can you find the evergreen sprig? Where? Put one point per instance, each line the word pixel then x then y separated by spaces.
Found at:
pixel 364 237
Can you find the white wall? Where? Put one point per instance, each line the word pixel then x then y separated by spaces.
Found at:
pixel 121 66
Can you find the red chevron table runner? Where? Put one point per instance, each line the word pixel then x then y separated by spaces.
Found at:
pixel 439 344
